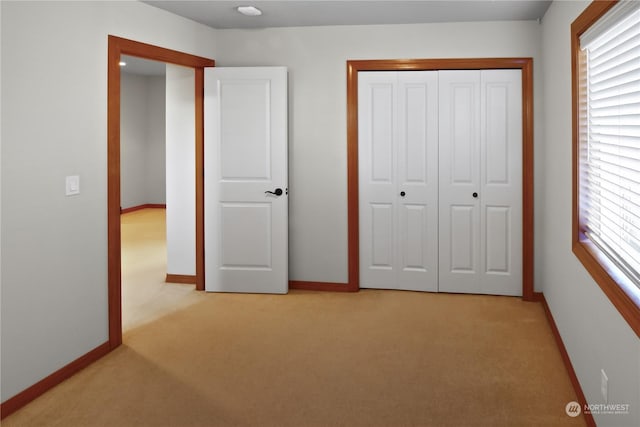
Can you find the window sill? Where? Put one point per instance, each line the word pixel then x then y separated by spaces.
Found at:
pixel 622 293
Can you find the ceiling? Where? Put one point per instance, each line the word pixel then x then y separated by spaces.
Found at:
pixel 296 13
pixel 299 13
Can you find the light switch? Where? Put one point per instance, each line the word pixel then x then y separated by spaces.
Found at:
pixel 72 185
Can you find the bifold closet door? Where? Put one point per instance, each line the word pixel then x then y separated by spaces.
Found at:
pixel 480 146
pixel 398 174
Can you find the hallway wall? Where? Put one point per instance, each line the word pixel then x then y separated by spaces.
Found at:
pixel 142 140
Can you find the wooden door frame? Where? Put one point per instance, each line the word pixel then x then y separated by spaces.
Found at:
pixel 523 64
pixel 119 46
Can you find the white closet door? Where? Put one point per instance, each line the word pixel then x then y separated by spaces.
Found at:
pixel 459 145
pixel 481 182
pixel 398 180
pixel 377 122
pixel 417 179
pixel 501 182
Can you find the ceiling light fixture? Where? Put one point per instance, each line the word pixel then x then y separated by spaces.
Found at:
pixel 122 63
pixel 249 11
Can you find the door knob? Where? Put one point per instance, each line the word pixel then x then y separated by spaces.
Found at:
pixel 277 192
pixel 475 195
pixel 402 194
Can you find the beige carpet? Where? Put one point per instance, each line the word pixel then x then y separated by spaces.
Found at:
pixel 145 295
pixel 374 358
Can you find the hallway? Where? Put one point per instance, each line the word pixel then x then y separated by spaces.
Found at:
pixel 145 294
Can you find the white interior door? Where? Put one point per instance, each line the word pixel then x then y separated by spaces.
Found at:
pixel 398 164
pixel 481 182
pixel 246 202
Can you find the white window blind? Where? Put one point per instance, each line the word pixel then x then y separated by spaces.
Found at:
pixel 610 155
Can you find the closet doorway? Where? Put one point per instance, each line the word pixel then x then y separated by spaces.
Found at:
pixel 417 212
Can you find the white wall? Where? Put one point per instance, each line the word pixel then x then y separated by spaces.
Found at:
pixel 133 139
pixel 316 58
pixel 142 140
pixel 54 248
pixel 181 191
pixel 156 142
pixel 595 334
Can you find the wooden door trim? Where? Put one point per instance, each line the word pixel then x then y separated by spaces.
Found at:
pixel 524 64
pixel 118 46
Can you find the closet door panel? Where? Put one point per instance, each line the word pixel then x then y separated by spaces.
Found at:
pixel 459 206
pixel 414 234
pixel 501 178
pixel 398 163
pixel 377 129
pixel 495 141
pixel 382 129
pixel 417 191
pixel 463 257
pixel 497 248
pixel 382 236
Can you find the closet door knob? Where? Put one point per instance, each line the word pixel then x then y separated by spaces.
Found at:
pixel 402 194
pixel 475 195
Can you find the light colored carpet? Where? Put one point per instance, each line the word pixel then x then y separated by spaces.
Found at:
pixel 145 295
pixel 373 358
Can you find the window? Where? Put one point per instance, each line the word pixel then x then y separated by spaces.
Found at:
pixel 606 138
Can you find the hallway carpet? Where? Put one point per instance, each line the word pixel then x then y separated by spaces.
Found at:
pixel 373 358
pixel 145 294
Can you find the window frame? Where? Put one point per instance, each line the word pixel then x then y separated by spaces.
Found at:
pixel 614 283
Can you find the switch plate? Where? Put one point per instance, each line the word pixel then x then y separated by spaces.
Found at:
pixel 604 386
pixel 72 185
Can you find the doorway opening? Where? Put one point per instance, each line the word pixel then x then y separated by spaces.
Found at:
pixel 116 48
pixel 148 292
pixel 143 190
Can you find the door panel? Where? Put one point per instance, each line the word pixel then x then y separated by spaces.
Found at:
pixel 381 133
pixel 242 222
pixel 245 152
pixel 414 236
pixel 501 177
pixel 463 130
pixel 487 240
pixel 377 125
pixel 418 179
pixel 245 157
pixel 459 146
pixel 497 243
pixel 398 155
pixel 382 235
pixel 497 134
pixel 414 132
pixel 462 231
